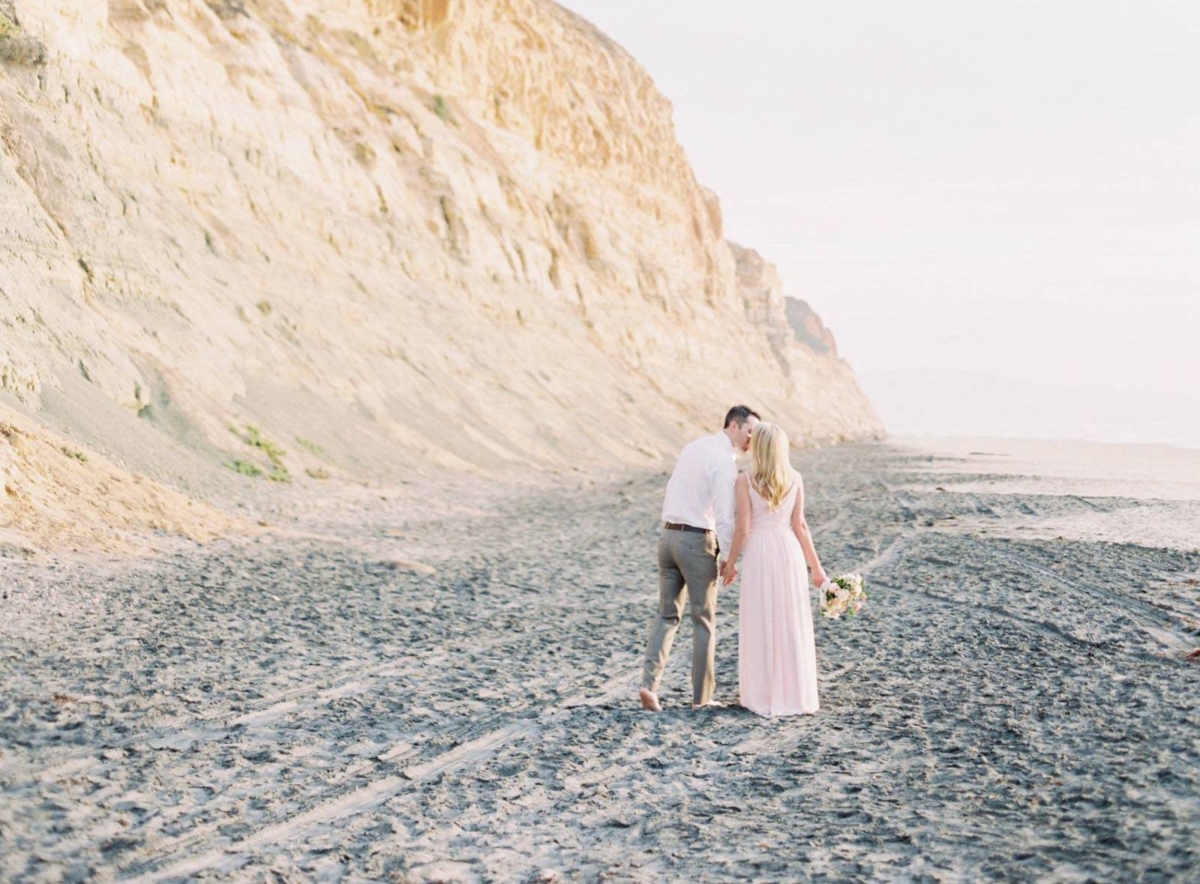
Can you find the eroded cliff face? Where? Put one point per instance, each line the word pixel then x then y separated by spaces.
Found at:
pixel 824 392
pixel 385 235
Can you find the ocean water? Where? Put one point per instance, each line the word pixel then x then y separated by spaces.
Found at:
pixel 1143 494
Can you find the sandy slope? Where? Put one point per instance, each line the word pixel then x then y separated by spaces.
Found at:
pixel 326 705
pixel 56 495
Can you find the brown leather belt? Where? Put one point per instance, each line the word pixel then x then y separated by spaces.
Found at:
pixel 675 526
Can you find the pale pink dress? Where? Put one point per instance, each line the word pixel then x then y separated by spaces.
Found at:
pixel 777 659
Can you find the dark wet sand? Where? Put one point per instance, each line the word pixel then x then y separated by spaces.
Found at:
pixel 309 708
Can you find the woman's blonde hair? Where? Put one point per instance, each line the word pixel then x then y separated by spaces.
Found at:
pixel 770 469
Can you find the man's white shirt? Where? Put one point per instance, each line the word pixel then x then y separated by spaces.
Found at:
pixel 700 492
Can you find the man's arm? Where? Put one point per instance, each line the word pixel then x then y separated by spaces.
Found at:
pixel 724 475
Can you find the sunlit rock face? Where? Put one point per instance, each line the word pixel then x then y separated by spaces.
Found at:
pixel 419 234
pixel 808 328
pixel 825 393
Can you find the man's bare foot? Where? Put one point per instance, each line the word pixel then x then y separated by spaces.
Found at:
pixel 649 701
pixel 711 704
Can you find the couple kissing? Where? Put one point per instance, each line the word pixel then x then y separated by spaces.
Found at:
pixel 712 516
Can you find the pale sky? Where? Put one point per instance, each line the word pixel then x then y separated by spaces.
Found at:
pixel 1010 188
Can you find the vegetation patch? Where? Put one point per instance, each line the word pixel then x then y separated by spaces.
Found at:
pixel 317 473
pixel 253 436
pixel 443 110
pixel 245 468
pixel 74 453
pixel 255 439
pixel 310 446
pixel 15 48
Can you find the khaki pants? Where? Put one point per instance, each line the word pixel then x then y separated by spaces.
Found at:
pixel 685 559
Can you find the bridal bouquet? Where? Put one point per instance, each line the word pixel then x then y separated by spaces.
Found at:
pixel 844 594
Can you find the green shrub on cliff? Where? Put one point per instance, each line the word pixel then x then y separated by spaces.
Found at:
pixel 254 437
pixel 15 48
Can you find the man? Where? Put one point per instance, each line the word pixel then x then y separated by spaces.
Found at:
pixel 698 517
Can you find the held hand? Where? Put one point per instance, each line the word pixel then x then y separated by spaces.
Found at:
pixel 728 572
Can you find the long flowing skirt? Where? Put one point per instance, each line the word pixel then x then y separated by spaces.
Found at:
pixel 777 660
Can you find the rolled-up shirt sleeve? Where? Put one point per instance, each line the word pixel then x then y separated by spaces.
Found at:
pixel 724 475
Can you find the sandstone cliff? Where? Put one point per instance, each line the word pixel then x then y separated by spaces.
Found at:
pixel 825 401
pixel 368 237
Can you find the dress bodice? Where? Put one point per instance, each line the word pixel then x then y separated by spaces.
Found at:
pixel 762 519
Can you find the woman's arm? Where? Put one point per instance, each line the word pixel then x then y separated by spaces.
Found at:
pixel 741 493
pixel 800 527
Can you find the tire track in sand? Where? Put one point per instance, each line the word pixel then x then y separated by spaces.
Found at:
pixel 483 739
pixel 351 682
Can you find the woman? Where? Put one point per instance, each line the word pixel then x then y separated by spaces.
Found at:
pixel 777 662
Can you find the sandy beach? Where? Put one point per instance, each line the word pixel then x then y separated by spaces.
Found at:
pixel 437 683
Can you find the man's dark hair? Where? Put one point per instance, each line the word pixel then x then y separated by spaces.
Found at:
pixel 739 414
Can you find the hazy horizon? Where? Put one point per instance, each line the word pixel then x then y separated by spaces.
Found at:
pixel 930 402
pixel 1006 189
